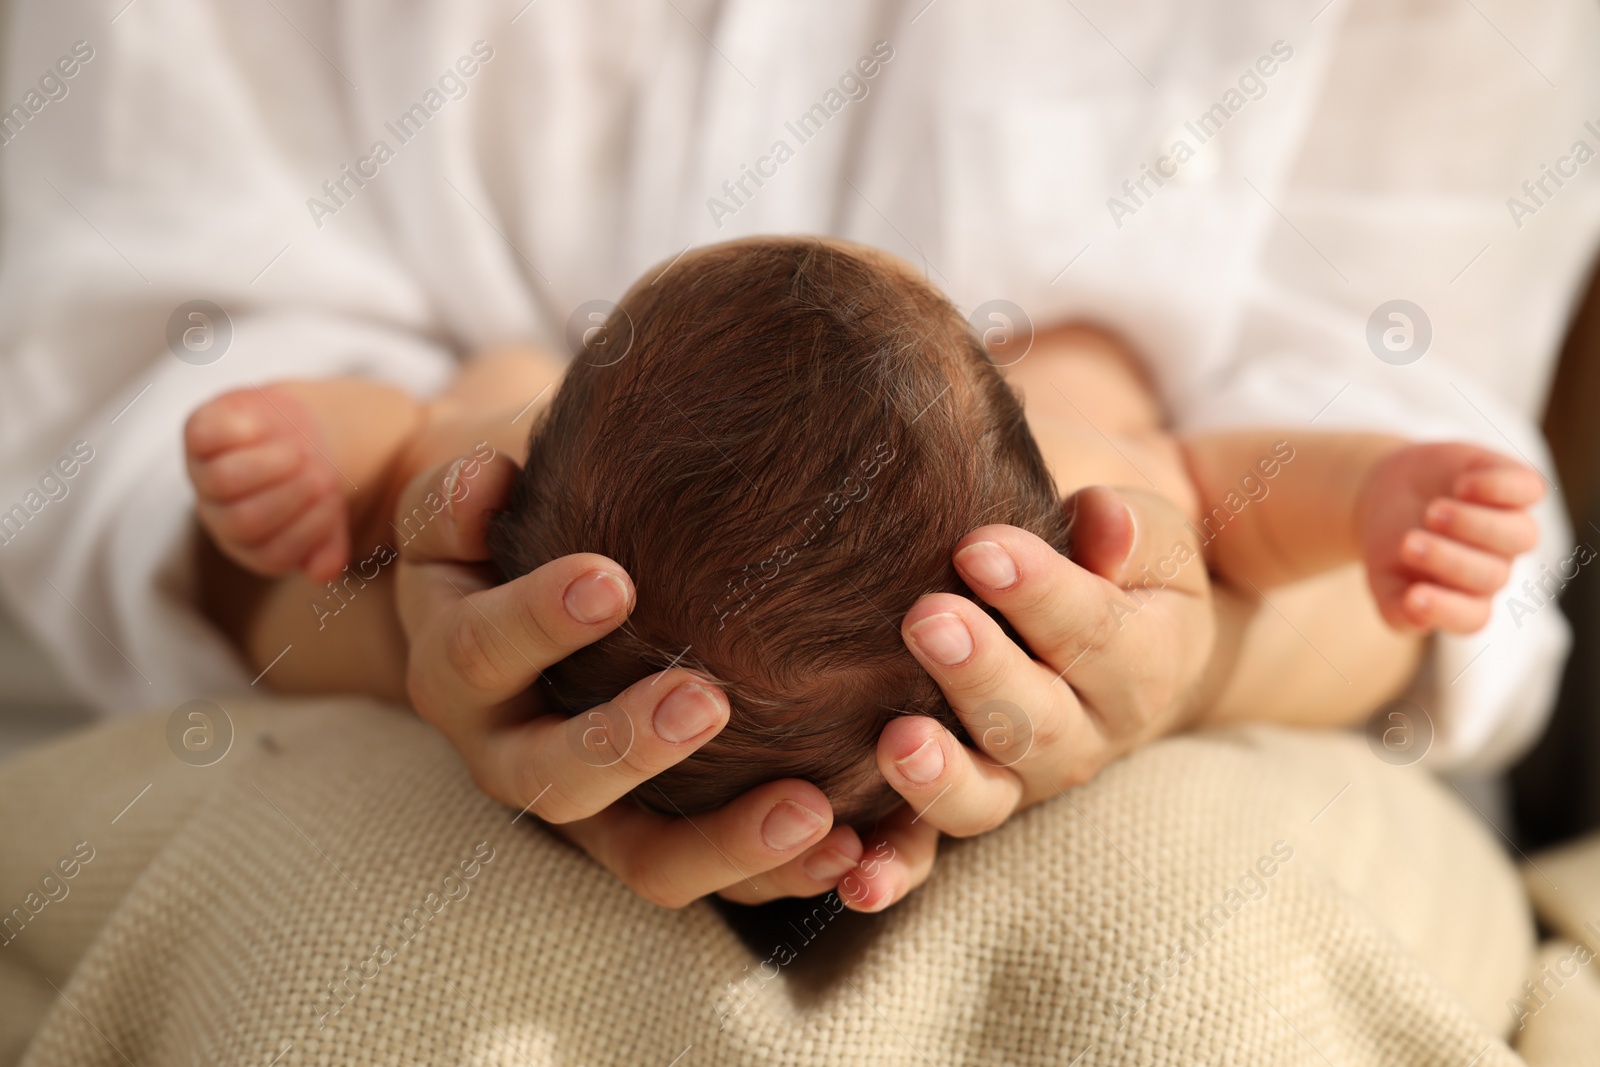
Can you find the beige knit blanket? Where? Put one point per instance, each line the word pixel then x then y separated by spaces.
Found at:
pixel 333 891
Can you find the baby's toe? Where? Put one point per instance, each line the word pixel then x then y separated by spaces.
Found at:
pixel 233 420
pixel 1432 607
pixel 329 558
pixel 1506 531
pixel 1508 485
pixel 294 547
pixel 256 517
pixel 1453 564
pixel 239 472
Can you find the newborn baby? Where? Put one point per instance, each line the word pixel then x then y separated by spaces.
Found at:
pixel 782 457
pixel 781 441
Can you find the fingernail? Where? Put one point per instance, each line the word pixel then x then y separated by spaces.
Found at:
pixel 943 638
pixel 863 896
pixel 828 866
pixel 923 765
pixel 1438 513
pixel 988 564
pixel 878 904
pixel 1414 546
pixel 595 596
pixel 789 824
pixel 688 711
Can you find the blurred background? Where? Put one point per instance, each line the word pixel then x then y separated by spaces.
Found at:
pixel 35 702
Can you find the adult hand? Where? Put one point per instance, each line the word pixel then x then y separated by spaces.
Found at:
pixel 476 647
pixel 1122 633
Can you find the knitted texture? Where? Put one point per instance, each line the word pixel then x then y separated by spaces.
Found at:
pixel 334 891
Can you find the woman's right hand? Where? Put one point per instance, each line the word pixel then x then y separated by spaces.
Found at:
pixel 475 649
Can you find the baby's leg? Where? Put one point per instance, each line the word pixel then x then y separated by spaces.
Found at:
pixel 288 474
pixel 279 469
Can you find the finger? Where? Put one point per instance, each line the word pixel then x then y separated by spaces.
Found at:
pixel 675 861
pixel 565 769
pixel 945 783
pixel 262 516
pixel 1133 537
pixel 1018 711
pixel 898 858
pixel 288 549
pixel 525 624
pixel 327 560
pixel 808 875
pixel 1058 607
pixel 239 472
pixel 1453 564
pixel 231 421
pixel 449 508
pixel 1505 484
pixel 1103 531
pixel 486 647
pixel 1503 531
pixel 1429 606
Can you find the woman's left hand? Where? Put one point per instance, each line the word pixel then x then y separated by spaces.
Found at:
pixel 1123 633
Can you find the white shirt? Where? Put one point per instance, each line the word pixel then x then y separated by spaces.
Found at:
pixel 593 139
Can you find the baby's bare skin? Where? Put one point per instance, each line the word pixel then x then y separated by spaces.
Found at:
pixel 1255 660
pixel 1096 421
pixel 343 449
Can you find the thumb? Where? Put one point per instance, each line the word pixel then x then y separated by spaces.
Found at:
pixel 443 513
pixel 1101 532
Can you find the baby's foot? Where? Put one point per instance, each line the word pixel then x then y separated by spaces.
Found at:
pixel 269 495
pixel 1440 527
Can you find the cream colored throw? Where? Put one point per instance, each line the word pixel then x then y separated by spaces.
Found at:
pixel 333 891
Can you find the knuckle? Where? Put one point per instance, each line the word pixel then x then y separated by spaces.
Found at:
pixel 991 821
pixel 1033 594
pixel 643 875
pixel 471 656
pixel 420 696
pixel 981 822
pixel 525 792
pixel 740 893
pixel 485 784
pixel 533 617
pixel 986 672
pixel 549 802
pixel 634 763
pixel 1048 731
pixel 1104 627
pixel 1078 772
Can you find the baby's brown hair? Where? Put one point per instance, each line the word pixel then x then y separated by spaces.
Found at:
pixel 783 458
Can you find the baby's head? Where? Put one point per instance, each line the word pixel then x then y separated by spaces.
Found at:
pixel 783 459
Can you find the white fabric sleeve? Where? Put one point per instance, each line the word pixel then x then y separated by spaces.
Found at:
pixel 1487 694
pixel 1398 204
pixel 174 167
